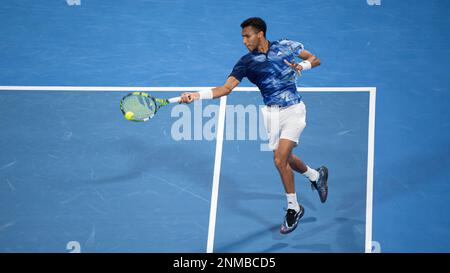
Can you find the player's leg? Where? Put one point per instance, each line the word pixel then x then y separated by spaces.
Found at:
pixel 281 159
pixel 281 156
pixel 317 177
pixel 282 147
pixel 299 166
pixel 293 128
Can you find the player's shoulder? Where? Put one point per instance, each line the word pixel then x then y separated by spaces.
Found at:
pixel 285 42
pixel 292 45
pixel 246 58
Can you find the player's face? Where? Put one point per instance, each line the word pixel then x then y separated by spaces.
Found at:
pixel 251 38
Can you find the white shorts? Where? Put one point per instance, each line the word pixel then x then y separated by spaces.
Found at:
pixel 284 122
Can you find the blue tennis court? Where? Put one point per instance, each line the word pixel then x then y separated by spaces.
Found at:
pixel 75 176
pixel 108 183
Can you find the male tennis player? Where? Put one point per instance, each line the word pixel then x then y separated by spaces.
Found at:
pixel 271 66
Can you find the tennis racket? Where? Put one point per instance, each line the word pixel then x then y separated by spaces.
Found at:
pixel 140 106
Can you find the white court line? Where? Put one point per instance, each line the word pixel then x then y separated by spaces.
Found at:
pixel 162 89
pixel 215 186
pixel 370 165
pixel 218 156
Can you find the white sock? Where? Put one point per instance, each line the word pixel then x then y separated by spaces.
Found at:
pixel 292 201
pixel 311 174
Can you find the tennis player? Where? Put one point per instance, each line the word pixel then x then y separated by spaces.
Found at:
pixel 271 66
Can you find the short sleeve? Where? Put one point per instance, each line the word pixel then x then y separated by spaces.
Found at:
pixel 239 70
pixel 296 47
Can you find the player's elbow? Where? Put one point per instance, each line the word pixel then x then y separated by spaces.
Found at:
pixel 226 90
pixel 316 61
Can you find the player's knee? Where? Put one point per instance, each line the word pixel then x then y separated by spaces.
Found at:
pixel 280 162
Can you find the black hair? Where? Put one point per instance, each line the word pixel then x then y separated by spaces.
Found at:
pixel 256 23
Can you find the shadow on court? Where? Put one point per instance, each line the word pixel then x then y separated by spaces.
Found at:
pixel 144 158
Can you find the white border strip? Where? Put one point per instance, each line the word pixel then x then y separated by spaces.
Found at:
pixel 215 186
pixel 217 163
pixel 370 165
pixel 162 89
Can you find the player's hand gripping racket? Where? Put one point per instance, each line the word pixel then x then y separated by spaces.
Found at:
pixel 140 106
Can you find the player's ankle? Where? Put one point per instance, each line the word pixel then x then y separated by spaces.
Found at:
pixel 311 174
pixel 292 201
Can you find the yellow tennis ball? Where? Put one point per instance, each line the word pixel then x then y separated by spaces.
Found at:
pixel 129 115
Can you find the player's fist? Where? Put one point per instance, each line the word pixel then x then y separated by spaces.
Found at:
pixel 295 66
pixel 188 97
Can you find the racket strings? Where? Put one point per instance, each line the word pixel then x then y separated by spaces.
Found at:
pixel 142 107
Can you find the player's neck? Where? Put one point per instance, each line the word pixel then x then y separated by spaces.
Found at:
pixel 264 46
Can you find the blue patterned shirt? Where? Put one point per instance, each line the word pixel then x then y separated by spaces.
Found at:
pixel 275 79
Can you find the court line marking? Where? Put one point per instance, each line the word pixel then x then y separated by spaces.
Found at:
pixel 214 194
pixel 163 89
pixel 370 166
pixel 216 178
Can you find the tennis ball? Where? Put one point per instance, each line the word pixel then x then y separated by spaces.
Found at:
pixel 129 115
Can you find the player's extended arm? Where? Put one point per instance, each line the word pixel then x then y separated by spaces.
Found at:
pixel 310 61
pixel 308 56
pixel 216 92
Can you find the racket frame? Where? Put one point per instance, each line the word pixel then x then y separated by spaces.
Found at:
pixel 157 101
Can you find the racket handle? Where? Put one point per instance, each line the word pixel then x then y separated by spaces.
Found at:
pixel 174 100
